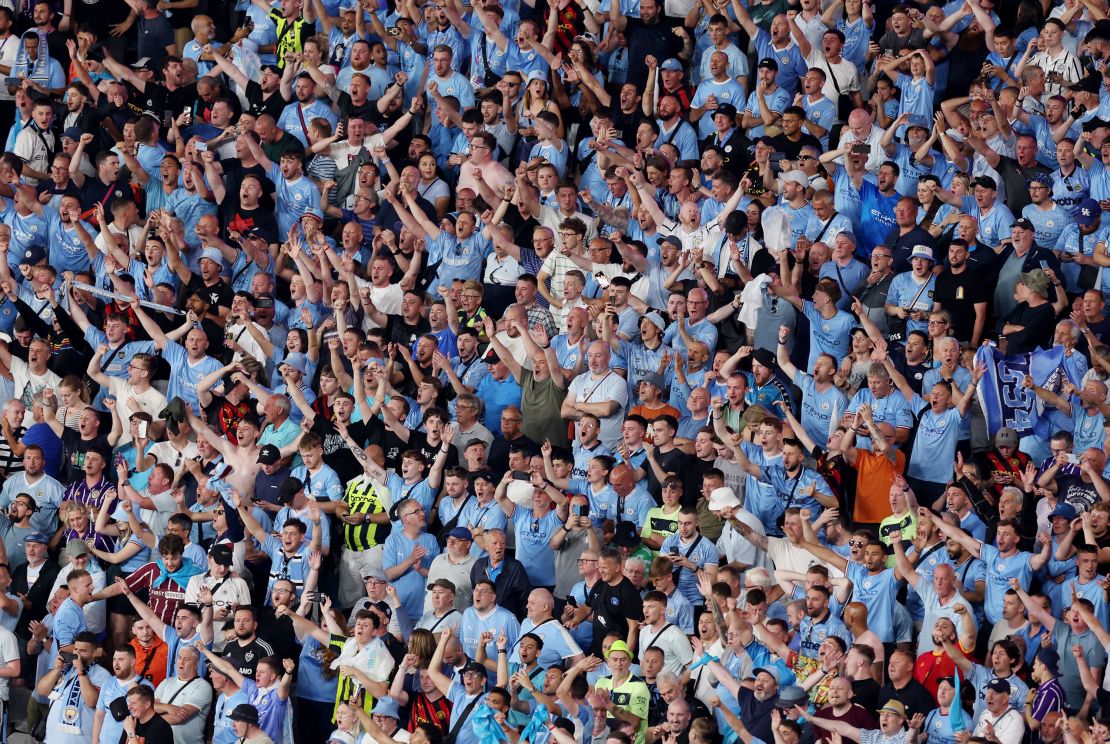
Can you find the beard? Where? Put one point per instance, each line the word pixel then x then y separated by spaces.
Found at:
pixel 763 697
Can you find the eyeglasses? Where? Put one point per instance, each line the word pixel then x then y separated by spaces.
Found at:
pixel 803 158
pixel 857 543
pixel 511 420
pixel 587 560
pixel 412 513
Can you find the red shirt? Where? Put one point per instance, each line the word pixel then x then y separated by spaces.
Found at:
pixel 932 666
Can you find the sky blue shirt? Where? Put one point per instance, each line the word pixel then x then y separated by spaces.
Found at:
pixel 906 292
pixel 819 408
pixel 993 226
pixel 727 92
pixel 999 572
pixel 832 336
pixel 498 621
pixel 702 552
pixel 792 64
pixel 777 101
pixel 891 409
pixel 410 585
pixel 533 534
pixel 934 446
pixel 186 374
pixel 293 198
pixel 876 217
pixel 293 114
pixel 877 592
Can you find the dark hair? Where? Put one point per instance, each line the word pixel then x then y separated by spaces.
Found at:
pixel 171 545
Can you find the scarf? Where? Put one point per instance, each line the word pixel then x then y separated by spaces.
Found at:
pixel 182 575
pixel 484 726
pixel 39 69
pixel 536 725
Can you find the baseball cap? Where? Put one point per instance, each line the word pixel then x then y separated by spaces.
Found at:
pixel 268 454
pixel 999 685
pixel 768 63
pixel 986 182
pixel 1006 437
pixel 75 548
pixel 34 254
pixel 772 671
pixel 1089 213
pixel 472 666
pixel 258 232
pixel 672 65
pixel 442 584
pixel 461 533
pixel 374 573
pixel 726 109
pixel 289 488
pixel 796 176
pixel 38 537
pixel 74 133
pixel 220 554
pixel 653 378
pixel 1023 223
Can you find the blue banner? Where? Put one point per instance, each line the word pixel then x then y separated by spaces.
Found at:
pixel 1005 402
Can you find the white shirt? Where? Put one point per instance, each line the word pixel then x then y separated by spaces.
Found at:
pixel 151 402
pixel 877 156
pixel 677 653
pixel 736 548
pixel 1008 727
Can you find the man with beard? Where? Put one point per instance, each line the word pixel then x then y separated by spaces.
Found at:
pixel 247 649
pixel 124 677
pixel 940 597
pixel 841 708
pixel 962 294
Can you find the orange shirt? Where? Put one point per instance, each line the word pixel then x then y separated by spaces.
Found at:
pixel 157 654
pixel 876 474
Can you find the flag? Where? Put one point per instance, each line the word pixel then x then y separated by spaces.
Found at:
pixel 956 713
pixel 1005 402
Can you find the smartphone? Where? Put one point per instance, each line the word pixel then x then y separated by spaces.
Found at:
pixel 1073 459
pixel 13 81
pixel 602 280
pixel 393 31
pixel 314 596
pixel 202 147
pixel 582 510
pixel 521 475
pixel 674 550
pixel 68 657
pixel 141 429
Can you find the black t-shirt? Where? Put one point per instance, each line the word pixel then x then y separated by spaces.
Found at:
pixel 218 294
pixel 74 449
pixel 259 104
pixel 1039 323
pixel 154 730
pixel 336 452
pixel 643 39
pixel 418 441
pixel 790 149
pixel 613 607
pixel 1075 491
pixel 901 246
pixel 400 332
pixel 160 99
pixel 234 218
pixel 958 294
pixel 278 632
pixel 669 462
pixel 94 190
pixel 246 658
pixel 914 696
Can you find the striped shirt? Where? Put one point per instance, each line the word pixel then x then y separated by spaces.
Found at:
pixel 362 498
pixel 165 599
